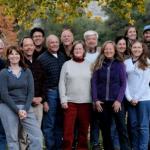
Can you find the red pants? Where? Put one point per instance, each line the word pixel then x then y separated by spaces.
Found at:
pixel 79 114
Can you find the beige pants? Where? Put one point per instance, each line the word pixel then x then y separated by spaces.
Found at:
pixel 38 110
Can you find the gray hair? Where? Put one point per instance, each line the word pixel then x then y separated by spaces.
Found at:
pixel 89 33
pixel 50 37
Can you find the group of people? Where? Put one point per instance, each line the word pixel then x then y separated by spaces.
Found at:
pixel 64 90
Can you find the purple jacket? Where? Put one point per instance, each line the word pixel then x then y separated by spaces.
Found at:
pixel 109 82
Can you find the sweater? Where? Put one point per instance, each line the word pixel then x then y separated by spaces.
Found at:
pixel 52 67
pixel 16 91
pixel 2 64
pixel 109 82
pixel 39 78
pixel 75 82
pixel 137 81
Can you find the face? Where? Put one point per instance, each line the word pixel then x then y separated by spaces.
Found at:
pixel 91 41
pixel 67 37
pixel 53 44
pixel 146 36
pixel 28 47
pixel 137 49
pixel 131 34
pixel 1 49
pixel 109 51
pixel 78 51
pixel 38 38
pixel 14 57
pixel 121 46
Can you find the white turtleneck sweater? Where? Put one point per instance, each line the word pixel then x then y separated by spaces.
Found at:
pixel 75 82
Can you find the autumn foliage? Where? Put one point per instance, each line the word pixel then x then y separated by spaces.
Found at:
pixel 25 11
pixel 6 28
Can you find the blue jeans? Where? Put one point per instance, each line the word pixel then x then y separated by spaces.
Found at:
pixel 144 121
pixel 114 135
pixel 53 122
pixel 2 137
pixel 133 126
pixel 11 123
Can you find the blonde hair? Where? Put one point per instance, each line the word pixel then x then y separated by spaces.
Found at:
pixel 100 59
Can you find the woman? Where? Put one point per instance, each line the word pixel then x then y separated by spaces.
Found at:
pixel 131 34
pixel 108 88
pixel 3 144
pixel 138 94
pixel 17 91
pixel 121 46
pixel 74 88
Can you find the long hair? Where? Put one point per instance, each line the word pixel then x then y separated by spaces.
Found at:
pixel 100 59
pixel 127 29
pixel 143 59
pixel 15 48
pixel 119 38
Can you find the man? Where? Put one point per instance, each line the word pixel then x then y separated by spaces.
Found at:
pixel 67 42
pixel 38 36
pixel 28 49
pixel 52 61
pixel 91 41
pixel 146 36
pixel 2 132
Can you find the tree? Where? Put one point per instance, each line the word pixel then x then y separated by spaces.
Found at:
pixel 65 10
pixel 7 28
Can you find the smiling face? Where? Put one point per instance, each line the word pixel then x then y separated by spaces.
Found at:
pixel 121 46
pixel 67 37
pixel 109 51
pixel 52 43
pixel 131 34
pixel 146 36
pixel 78 51
pixel 28 47
pixel 14 57
pixel 38 38
pixel 137 50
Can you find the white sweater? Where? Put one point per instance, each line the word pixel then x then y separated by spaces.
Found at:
pixel 75 82
pixel 137 82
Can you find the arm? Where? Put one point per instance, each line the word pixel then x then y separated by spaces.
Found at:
pixel 30 90
pixel 39 83
pixel 94 86
pixel 62 84
pixel 5 93
pixel 127 93
pixel 143 84
pixel 122 75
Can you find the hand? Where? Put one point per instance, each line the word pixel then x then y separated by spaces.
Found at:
pixel 64 105
pixel 37 100
pixel 98 106
pixel 45 106
pixel 22 114
pixel 134 102
pixel 116 106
